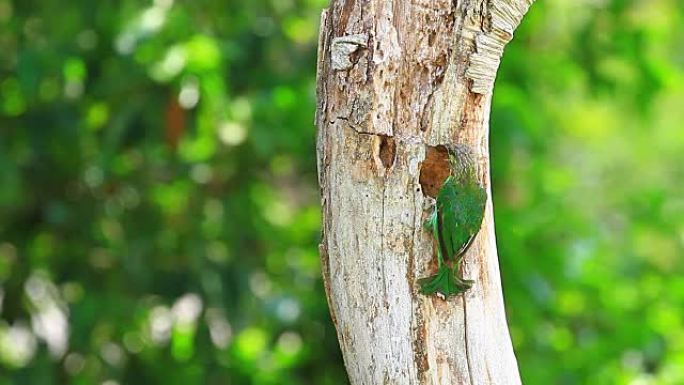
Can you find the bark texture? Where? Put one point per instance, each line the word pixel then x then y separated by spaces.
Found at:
pixel 398 79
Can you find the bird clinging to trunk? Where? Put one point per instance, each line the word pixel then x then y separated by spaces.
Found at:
pixel 455 222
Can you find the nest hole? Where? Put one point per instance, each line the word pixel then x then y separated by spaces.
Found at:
pixel 434 170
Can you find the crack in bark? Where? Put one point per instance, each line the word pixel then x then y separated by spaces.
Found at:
pixel 382 253
pixel 418 341
pixel 465 332
pixel 363 132
pixel 347 9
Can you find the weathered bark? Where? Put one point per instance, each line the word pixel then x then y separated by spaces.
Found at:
pixel 396 81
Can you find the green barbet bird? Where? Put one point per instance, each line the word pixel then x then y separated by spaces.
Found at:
pixel 455 222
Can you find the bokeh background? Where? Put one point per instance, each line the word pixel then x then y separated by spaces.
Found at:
pixel 159 208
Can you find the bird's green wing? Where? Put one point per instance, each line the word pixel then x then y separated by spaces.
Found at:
pixel 473 207
pixel 461 210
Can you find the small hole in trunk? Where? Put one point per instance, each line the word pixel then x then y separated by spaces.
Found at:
pixel 387 151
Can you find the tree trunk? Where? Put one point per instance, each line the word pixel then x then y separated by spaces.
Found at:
pixel 396 81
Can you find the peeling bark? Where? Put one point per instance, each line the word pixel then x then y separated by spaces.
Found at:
pixel 396 81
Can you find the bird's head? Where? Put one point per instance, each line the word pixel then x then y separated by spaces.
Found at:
pixel 462 161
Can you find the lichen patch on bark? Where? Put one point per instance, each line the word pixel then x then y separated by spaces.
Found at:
pixel 343 49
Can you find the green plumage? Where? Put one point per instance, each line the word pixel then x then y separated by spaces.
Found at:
pixel 454 223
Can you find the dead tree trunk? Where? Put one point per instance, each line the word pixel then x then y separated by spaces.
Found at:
pixel 396 81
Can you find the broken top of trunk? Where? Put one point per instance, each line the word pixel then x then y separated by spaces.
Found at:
pixel 502 19
pixel 397 81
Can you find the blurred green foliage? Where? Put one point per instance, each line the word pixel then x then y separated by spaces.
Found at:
pixel 159 210
pixel 588 164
